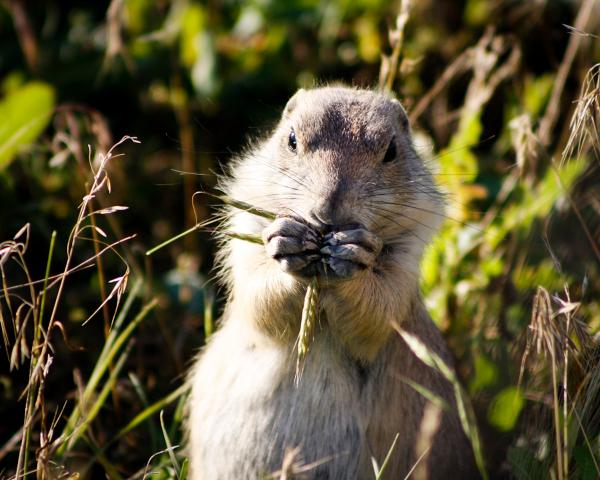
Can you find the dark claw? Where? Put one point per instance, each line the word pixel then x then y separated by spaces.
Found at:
pixel 358 236
pixel 296 263
pixel 351 253
pixel 293 243
pixel 342 268
pixel 289 227
pixel 279 246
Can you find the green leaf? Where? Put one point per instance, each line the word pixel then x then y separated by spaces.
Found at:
pixel 492 266
pixel 431 263
pixel 184 469
pixel 193 24
pixel 25 113
pixel 458 158
pixel 477 12
pixel 536 94
pixel 367 33
pixel 553 187
pixel 197 50
pixel 486 374
pixel 505 408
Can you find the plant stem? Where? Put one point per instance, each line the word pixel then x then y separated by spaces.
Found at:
pixel 246 207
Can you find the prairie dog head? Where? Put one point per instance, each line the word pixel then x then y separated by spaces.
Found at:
pixel 342 156
pixel 345 156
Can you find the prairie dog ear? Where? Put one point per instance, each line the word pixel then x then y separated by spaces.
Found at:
pixel 292 102
pixel 402 116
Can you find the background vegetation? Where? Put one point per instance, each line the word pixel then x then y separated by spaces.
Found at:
pixel 504 96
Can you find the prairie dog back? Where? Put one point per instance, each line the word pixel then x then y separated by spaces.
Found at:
pixel 355 207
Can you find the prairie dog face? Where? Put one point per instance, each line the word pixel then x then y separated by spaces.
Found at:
pixel 348 188
pixel 344 156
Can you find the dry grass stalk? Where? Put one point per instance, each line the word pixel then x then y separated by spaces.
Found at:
pixel 584 135
pixel 549 336
pixel 584 123
pixel 525 144
pixel 550 117
pixel 25 304
pixel 390 64
pixel 485 61
pixel 293 466
pixel 115 44
pixel 310 312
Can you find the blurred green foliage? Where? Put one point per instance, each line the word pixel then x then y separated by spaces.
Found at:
pixel 193 80
pixel 505 408
pixel 25 112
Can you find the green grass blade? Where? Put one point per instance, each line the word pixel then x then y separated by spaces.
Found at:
pixel 246 237
pixel 259 212
pixel 102 366
pixel 139 389
pixel 463 404
pixel 184 469
pixel 37 338
pixel 174 461
pixel 386 461
pixel 152 409
pixel 46 277
pixel 97 405
pixel 428 394
pixel 104 361
pixel 177 237
pixel 120 319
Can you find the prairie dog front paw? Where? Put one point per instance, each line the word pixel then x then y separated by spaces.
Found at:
pixel 349 251
pixel 294 244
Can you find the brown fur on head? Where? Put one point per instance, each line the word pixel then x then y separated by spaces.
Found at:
pixel 354 162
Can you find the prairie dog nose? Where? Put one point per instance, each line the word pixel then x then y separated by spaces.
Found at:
pixel 327 216
pixel 322 217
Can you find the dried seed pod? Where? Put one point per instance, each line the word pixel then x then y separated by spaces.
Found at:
pixel 310 312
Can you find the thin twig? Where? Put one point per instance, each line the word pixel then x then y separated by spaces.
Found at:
pixel 550 116
pixel 389 65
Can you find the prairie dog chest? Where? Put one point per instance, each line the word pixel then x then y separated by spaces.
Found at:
pixel 255 412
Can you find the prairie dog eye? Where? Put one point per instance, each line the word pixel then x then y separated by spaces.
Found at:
pixel 292 143
pixel 390 153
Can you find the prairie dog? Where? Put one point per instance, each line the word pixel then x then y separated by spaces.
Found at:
pixel 355 207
